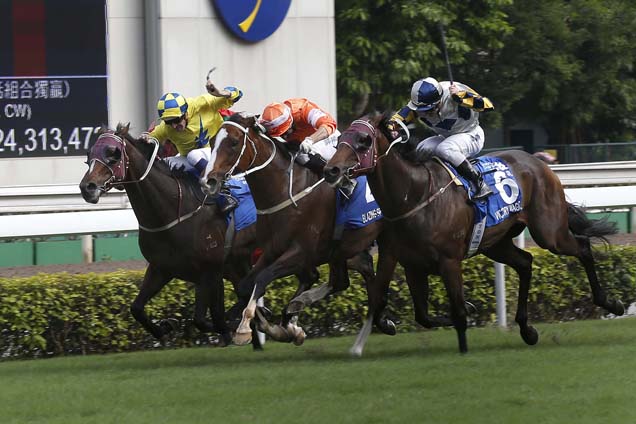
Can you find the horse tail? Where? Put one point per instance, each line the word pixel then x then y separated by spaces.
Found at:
pixel 581 225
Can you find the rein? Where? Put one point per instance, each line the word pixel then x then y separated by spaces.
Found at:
pixel 292 198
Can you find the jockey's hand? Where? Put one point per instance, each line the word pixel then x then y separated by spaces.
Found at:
pixel 453 89
pixel 145 137
pixel 214 90
pixel 306 146
pixel 392 126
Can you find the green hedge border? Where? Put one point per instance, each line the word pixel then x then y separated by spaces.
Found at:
pixel 62 314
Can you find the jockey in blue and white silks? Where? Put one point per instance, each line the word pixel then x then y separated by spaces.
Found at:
pixel 452 111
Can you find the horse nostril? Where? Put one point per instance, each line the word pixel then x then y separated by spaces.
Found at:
pixel 333 171
pixel 91 186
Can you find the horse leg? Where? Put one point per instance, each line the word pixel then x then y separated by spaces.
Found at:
pixel 338 281
pixel 507 253
pixel 377 298
pixel 417 280
pixel 286 264
pixel 154 281
pixel 363 264
pixel 561 241
pixel 210 294
pixel 306 279
pixel 451 273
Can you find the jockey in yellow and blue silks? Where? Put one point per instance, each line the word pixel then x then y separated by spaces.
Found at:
pixel 190 124
pixel 451 110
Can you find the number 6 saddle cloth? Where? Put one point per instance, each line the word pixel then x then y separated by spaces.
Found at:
pixel 494 209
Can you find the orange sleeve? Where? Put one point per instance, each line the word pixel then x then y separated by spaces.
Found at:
pixel 316 117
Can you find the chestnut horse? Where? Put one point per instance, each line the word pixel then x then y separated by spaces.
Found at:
pixel 431 221
pixel 295 220
pixel 180 235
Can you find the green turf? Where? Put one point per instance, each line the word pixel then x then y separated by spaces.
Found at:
pixel 583 372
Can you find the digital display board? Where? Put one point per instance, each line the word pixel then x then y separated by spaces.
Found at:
pixel 53 76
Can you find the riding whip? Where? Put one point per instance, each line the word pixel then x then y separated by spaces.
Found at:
pixel 448 65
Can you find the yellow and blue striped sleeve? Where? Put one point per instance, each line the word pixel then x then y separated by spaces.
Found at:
pixel 472 100
pixel 405 115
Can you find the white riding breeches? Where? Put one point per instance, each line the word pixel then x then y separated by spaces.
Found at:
pixel 455 148
pixel 192 161
pixel 325 148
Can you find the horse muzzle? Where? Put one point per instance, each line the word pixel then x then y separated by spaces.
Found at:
pixel 91 192
pixel 212 186
pixel 333 175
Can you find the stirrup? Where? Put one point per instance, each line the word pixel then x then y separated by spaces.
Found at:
pixel 482 191
pixel 230 203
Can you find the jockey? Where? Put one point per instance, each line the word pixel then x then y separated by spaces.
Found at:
pixel 450 109
pixel 190 124
pixel 305 124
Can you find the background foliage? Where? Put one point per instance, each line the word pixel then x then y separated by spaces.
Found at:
pixel 566 65
pixel 63 314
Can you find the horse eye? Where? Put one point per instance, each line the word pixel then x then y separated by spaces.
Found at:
pixel 234 142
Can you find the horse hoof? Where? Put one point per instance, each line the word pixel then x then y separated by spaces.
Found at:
pixel 356 351
pixel 470 308
pixel 530 336
pixel 295 307
pixel 617 308
pixel 300 337
pixel 241 339
pixel 387 327
pixel 169 325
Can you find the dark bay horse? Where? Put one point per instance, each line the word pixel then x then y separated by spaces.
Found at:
pixel 179 235
pixel 295 221
pixel 431 220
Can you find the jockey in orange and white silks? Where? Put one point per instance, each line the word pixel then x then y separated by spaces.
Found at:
pixel 302 122
pixel 452 111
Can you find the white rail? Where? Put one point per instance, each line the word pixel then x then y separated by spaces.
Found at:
pixel 48 210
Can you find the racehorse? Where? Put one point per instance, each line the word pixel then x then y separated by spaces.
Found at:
pixel 431 220
pixel 295 221
pixel 180 235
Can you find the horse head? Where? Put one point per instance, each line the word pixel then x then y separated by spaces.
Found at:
pixel 109 160
pixel 359 148
pixel 234 150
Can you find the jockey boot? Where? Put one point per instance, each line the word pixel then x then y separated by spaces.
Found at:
pixel 316 163
pixel 467 171
pixel 230 203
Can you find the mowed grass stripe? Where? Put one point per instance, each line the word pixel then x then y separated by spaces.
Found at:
pixel 580 372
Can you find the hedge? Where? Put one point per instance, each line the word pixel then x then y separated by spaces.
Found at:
pixel 62 314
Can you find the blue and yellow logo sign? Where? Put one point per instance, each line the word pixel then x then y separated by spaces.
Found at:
pixel 252 20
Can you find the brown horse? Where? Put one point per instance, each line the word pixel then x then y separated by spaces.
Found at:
pixel 431 220
pixel 180 235
pixel 295 220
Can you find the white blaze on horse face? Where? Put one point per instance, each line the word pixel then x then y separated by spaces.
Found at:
pixel 220 136
pixel 91 166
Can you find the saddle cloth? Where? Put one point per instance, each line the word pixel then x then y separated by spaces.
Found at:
pixel 506 198
pixel 245 213
pixel 360 209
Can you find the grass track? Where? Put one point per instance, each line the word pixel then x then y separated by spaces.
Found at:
pixel 582 372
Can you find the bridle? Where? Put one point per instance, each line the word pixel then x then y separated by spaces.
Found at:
pixel 293 198
pixel 367 158
pixel 119 169
pixel 249 170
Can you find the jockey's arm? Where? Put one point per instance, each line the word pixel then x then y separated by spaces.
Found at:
pixel 321 133
pixel 467 97
pixel 405 115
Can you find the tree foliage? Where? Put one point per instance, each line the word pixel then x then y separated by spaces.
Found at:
pixel 566 65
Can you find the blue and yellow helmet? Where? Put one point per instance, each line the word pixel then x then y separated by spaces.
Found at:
pixel 171 105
